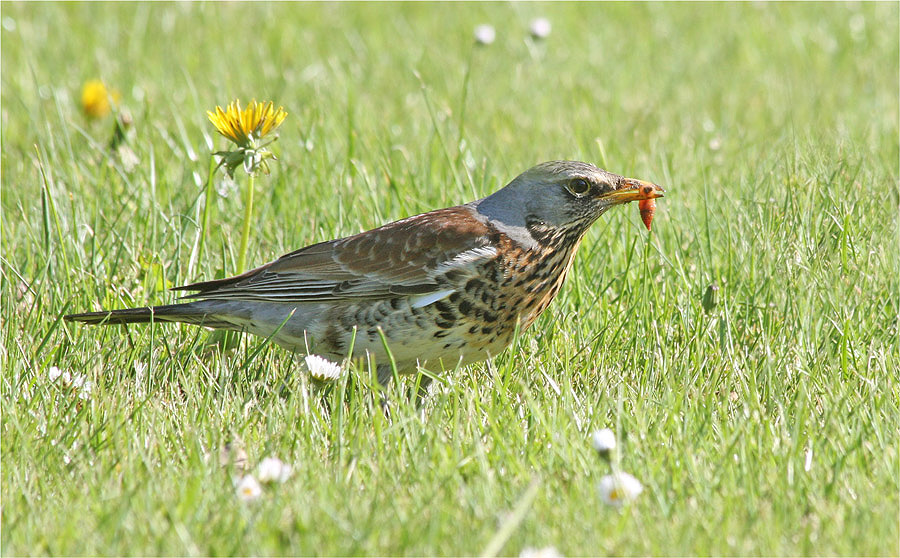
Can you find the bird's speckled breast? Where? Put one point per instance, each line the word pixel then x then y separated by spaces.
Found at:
pixel 534 277
pixel 476 321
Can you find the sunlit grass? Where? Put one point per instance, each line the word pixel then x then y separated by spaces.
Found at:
pixel 766 424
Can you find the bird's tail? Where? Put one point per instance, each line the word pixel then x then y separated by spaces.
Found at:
pixel 192 313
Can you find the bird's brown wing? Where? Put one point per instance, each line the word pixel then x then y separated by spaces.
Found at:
pixel 404 258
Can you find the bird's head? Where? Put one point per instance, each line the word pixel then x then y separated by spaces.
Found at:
pixel 562 197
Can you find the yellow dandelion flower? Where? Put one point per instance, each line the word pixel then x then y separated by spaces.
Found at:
pixel 95 99
pixel 248 126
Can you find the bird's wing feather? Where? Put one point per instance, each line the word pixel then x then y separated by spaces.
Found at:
pixel 405 258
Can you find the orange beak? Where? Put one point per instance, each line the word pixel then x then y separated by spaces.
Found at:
pixel 634 190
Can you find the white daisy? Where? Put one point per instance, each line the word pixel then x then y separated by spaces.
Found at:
pixel 546 552
pixel 83 385
pixel 248 489
pixel 485 34
pixel 540 28
pixel 55 373
pixel 618 488
pixel 323 369
pixel 272 469
pixel 604 441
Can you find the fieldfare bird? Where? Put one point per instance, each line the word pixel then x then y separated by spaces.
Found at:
pixel 448 287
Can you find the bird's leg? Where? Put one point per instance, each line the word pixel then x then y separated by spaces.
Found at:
pixel 385 374
pixel 423 381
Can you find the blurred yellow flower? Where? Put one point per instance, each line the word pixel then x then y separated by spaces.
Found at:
pixel 246 127
pixel 95 99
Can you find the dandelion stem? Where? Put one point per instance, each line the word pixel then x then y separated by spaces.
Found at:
pixel 245 229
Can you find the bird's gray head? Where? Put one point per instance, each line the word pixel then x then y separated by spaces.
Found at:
pixel 562 197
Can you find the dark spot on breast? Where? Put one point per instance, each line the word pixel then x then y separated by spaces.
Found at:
pixel 442 307
pixel 333 337
pixel 454 275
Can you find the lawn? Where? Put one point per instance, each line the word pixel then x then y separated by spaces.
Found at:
pixel 761 421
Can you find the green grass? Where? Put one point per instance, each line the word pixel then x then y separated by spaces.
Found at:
pixel 767 425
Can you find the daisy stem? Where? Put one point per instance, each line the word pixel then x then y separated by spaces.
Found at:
pixel 245 230
pixel 207 205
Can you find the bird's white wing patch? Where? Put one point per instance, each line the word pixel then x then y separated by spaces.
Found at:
pixel 463 259
pixel 475 255
pixel 430 298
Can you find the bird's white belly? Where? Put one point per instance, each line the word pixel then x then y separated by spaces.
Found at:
pixel 411 334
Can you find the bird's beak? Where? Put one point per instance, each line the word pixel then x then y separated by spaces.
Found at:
pixel 631 189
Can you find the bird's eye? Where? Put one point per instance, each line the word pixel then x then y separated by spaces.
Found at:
pixel 578 186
